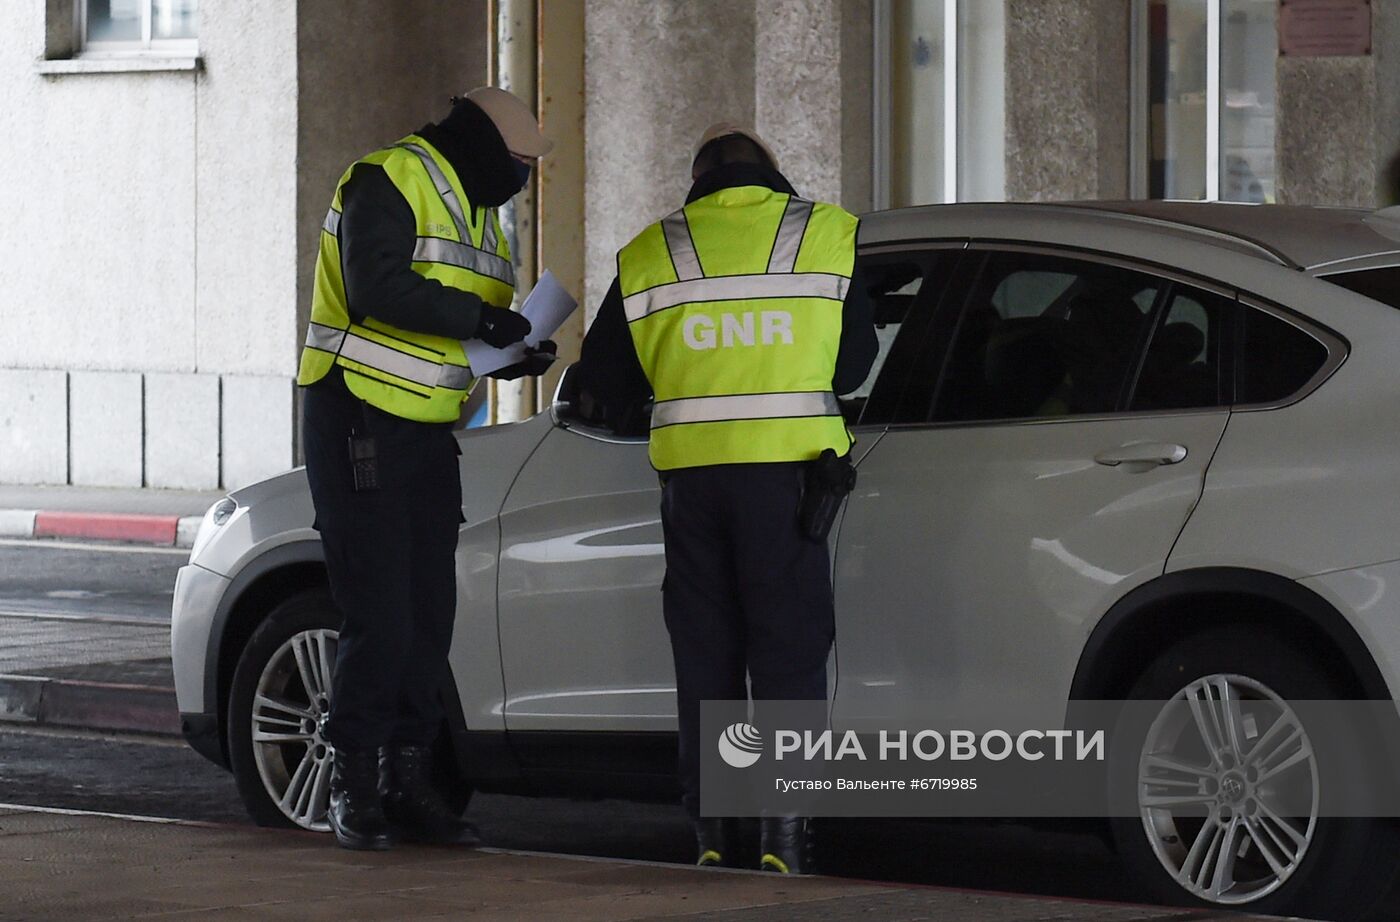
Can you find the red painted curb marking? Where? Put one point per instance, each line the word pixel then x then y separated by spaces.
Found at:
pixel 155 529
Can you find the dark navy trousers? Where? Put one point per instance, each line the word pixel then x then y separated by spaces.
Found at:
pixel 745 595
pixel 390 555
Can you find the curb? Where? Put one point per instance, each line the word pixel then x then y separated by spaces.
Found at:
pixel 46 702
pixel 165 530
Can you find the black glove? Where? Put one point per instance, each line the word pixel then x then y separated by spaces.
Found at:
pixel 500 327
pixel 536 363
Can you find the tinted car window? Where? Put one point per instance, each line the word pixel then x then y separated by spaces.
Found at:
pixel 903 290
pixel 1382 284
pixel 1044 336
pixel 1183 364
pixel 1274 358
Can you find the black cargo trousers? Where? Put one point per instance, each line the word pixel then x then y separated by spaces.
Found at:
pixel 390 555
pixel 745 594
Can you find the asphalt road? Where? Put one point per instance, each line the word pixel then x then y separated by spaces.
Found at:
pixel 88 579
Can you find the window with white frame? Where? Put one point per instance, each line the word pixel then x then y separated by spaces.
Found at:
pixel 138 26
pixel 940 105
pixel 1204 104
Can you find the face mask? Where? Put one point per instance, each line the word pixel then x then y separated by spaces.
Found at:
pixel 522 173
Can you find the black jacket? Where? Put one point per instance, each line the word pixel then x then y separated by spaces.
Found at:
pixel 611 386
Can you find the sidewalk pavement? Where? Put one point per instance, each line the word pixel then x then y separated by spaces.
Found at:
pixel 62 865
pixel 167 517
pixel 90 674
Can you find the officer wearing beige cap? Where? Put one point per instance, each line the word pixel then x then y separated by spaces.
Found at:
pixel 412 262
pixel 743 316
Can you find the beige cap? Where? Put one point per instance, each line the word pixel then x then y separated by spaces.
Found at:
pixel 724 129
pixel 513 119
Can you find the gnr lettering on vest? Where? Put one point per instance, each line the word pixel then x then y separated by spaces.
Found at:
pixel 701 332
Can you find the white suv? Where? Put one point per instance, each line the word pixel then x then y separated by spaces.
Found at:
pixel 1142 450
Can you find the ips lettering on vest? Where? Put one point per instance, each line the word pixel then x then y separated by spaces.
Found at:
pixel 701 332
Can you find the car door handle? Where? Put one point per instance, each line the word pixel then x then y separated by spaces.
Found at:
pixel 1142 453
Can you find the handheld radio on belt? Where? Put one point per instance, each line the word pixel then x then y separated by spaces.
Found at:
pixel 827 483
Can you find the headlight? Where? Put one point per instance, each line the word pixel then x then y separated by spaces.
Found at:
pixel 218 514
pixel 222 511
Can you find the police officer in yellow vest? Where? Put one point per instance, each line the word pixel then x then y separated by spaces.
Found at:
pixel 412 262
pixel 739 314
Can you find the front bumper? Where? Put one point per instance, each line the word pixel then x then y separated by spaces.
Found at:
pixel 197 595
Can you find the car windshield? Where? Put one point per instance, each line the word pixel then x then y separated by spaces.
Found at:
pixel 1382 284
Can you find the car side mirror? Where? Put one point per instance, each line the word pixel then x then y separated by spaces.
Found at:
pixel 571 410
pixel 566 394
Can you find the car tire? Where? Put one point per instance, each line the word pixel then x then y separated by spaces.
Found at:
pixel 1346 865
pixel 282 681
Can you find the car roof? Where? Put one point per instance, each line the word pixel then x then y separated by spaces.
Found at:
pixel 1299 236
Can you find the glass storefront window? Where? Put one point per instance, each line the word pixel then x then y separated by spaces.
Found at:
pixel 1210 98
pixel 1176 68
pixel 1248 52
pixel 941 123
pixel 981 101
pixel 918 101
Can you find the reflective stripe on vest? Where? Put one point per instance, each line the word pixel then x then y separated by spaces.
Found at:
pixel 463 255
pixel 735 288
pixel 448 252
pixel 789 239
pixel 380 357
pixel 743 406
pixel 482 261
pixel 452 253
pixel 682 247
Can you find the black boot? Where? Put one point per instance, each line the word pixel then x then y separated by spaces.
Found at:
pixel 785 844
pixel 712 842
pixel 413 805
pixel 355 813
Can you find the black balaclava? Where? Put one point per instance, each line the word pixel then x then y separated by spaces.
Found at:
pixel 471 143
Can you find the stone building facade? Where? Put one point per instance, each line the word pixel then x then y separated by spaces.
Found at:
pixel 163 209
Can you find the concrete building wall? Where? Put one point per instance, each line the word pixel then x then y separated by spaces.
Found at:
pixel 369 73
pixel 160 247
pixel 247 169
pixel 1338 125
pixel 657 74
pixel 102 186
pixel 1325 106
pixel 1386 50
pixel 1066 99
pixel 812 94
pixel 797 90
pixel 133 251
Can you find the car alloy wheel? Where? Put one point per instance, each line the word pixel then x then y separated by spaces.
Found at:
pixel 290 705
pixel 1211 779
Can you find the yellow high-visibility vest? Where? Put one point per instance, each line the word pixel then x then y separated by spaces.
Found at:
pixel 734 303
pixel 414 375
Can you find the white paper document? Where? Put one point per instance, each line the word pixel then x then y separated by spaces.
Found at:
pixel 547 307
